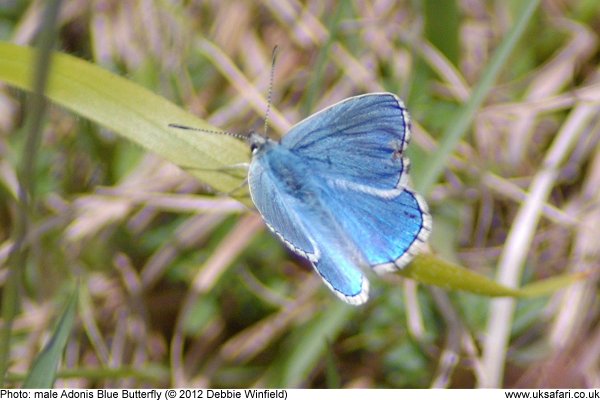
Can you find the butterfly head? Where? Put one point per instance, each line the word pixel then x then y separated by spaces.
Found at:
pixel 257 142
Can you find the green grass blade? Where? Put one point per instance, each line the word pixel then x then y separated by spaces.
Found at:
pixel 428 269
pixel 434 271
pixel 458 128
pixel 10 303
pixel 444 36
pixel 133 112
pixel 43 372
pixel 551 285
pixel 308 349
pixel 35 113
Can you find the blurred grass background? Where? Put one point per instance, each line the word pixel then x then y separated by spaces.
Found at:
pixel 181 286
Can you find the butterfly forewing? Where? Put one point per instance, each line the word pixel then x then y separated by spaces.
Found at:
pixel 360 139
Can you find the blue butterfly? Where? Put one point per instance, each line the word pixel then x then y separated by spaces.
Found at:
pixel 335 191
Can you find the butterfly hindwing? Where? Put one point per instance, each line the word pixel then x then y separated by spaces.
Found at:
pixel 387 229
pixel 341 274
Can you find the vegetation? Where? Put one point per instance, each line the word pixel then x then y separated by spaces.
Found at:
pixel 178 283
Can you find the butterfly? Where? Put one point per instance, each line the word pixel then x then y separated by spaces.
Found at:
pixel 335 190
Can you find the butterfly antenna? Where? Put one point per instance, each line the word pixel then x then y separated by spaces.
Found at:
pixel 191 128
pixel 270 92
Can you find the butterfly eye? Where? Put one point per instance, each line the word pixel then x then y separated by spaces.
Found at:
pixel 255 141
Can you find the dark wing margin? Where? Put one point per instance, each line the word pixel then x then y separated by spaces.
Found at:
pixel 389 231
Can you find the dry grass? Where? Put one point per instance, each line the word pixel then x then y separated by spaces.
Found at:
pixel 183 288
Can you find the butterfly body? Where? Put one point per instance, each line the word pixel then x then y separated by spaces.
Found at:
pixel 334 189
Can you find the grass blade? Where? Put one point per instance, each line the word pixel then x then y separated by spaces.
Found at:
pixel 308 350
pixel 43 372
pixel 458 128
pixel 133 112
pixel 428 269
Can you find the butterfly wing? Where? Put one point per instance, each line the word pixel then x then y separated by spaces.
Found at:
pixel 360 139
pixel 281 218
pixel 388 230
pixel 341 275
pixel 290 202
